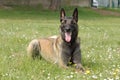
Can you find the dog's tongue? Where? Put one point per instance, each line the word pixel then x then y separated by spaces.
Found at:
pixel 68 37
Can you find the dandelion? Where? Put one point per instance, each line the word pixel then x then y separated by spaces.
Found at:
pixel 68 77
pixel 69 63
pixel 100 74
pixel 88 56
pixel 17 77
pixel 117 70
pixel 48 76
pixel 32 77
pixel 11 56
pixel 56 77
pixel 71 76
pixel 93 49
pixel 74 65
pixel 113 65
pixel 87 72
pixel 94 77
pixel 43 71
pixel 71 73
pixel 6 74
pixel 117 78
pixel 110 79
pixel 76 72
pixel 114 73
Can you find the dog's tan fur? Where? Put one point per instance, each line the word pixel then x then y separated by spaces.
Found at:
pixel 49 49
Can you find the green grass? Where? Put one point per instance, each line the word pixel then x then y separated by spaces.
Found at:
pixel 100 45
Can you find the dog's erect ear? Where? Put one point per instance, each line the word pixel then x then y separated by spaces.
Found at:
pixel 62 14
pixel 75 14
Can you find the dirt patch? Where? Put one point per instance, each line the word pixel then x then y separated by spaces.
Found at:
pixel 106 12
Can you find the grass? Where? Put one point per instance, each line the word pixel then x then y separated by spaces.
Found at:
pixel 100 45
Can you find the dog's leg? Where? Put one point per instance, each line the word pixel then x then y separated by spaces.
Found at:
pixel 62 64
pixel 77 59
pixel 33 49
pixel 64 59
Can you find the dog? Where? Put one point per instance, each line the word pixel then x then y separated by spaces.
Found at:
pixel 60 49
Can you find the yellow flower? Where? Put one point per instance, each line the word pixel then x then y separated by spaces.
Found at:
pixel 114 73
pixel 69 63
pixel 74 65
pixel 117 70
pixel 87 72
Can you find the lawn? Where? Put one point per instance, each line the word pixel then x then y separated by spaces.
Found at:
pixel 100 45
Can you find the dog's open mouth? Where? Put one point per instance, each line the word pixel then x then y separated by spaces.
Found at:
pixel 68 36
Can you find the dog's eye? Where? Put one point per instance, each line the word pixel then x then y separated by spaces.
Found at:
pixel 64 21
pixel 73 22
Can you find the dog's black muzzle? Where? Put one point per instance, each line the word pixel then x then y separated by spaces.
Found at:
pixel 68 29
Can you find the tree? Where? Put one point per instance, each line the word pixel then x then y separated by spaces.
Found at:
pixel 55 4
pixel 118 3
pixel 1 2
pixel 110 3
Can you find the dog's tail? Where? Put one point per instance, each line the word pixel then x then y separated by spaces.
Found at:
pixel 33 49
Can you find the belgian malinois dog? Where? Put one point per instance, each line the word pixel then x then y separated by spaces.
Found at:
pixel 60 49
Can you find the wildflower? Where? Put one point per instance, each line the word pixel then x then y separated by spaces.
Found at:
pixel 94 77
pixel 117 70
pixel 71 76
pixel 110 79
pixel 117 78
pixel 69 63
pixel 74 65
pixel 87 72
pixel 48 76
pixel 114 73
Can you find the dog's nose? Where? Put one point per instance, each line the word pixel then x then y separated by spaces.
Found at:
pixel 67 29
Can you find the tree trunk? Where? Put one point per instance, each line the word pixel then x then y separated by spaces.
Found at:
pixel 91 3
pixel 118 3
pixel 55 4
pixel 26 2
pixel 1 2
pixel 110 3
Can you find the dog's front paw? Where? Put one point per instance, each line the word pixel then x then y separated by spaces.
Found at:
pixel 79 67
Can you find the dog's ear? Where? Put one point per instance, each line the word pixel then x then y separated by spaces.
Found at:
pixel 75 14
pixel 62 14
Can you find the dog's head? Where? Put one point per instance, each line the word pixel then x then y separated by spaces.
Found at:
pixel 69 27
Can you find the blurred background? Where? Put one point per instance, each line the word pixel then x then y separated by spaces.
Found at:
pixel 56 4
